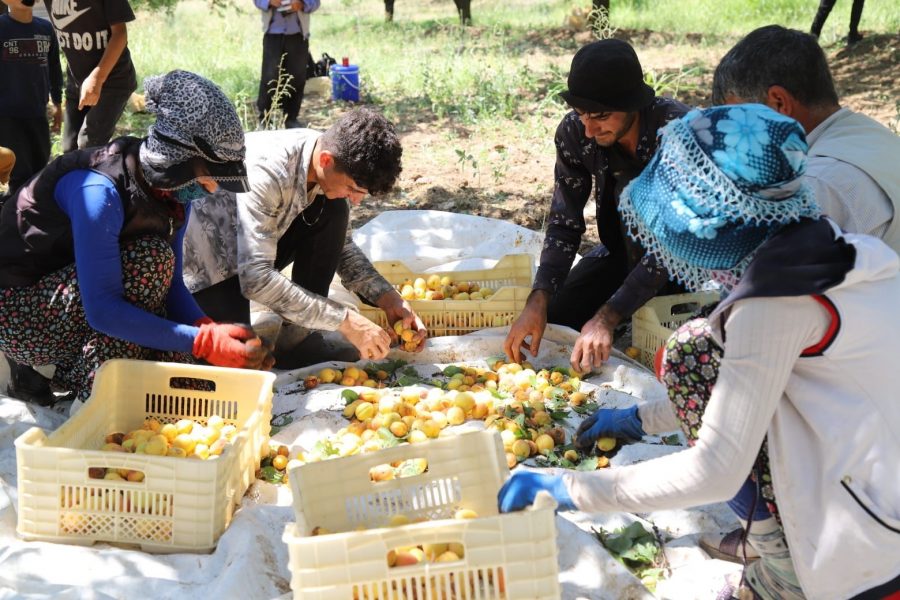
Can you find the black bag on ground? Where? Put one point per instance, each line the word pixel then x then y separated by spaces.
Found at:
pixel 318 68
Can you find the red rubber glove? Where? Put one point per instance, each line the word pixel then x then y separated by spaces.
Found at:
pixel 659 362
pixel 230 345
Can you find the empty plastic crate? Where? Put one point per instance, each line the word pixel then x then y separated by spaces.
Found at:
pixel 653 323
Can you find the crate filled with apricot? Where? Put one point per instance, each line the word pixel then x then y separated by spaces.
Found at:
pixel 158 456
pixel 418 521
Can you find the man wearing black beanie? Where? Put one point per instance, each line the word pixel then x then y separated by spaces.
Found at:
pixel 603 143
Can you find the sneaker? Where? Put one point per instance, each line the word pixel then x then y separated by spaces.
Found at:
pixel 294 124
pixel 728 547
pixel 27 384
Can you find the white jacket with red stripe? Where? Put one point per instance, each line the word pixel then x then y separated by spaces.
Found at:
pixel 832 422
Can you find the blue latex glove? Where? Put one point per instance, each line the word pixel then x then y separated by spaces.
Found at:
pixel 622 423
pixel 520 489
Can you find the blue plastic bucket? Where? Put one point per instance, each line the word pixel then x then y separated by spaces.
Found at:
pixel 345 82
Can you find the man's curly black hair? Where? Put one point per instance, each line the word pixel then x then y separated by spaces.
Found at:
pixel 366 148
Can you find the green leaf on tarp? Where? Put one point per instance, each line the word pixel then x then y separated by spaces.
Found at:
pixel 671 440
pixel 588 464
pixel 349 396
pixel 388 366
pixel 280 421
pixel 271 474
pixel 559 415
pixel 520 421
pixel 451 370
pixel 586 409
pixel 406 380
pixel 642 552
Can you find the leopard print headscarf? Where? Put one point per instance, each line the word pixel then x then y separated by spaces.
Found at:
pixel 194 120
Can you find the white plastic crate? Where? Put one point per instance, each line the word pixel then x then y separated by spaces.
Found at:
pixel 509 556
pixel 458 317
pixel 511 270
pixel 182 504
pixel 653 323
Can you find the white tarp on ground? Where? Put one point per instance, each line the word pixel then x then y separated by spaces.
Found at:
pixel 251 561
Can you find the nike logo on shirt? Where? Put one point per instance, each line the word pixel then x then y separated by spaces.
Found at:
pixel 61 22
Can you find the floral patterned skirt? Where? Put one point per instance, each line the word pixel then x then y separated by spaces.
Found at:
pixel 45 323
pixel 689 372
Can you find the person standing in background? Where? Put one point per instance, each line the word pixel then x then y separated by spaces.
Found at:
pixel 101 76
pixel 285 46
pixel 825 7
pixel 30 70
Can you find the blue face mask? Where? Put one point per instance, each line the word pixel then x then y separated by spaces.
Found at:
pixel 189 193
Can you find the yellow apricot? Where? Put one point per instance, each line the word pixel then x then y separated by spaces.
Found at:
pixel 544 443
pixel 605 444
pixel 465 513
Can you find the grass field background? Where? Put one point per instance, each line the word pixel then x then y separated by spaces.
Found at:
pixel 512 60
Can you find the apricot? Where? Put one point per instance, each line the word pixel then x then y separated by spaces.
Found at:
pixel 381 473
pixel 365 410
pixel 632 352
pixel 399 429
pixel 571 455
pixel 218 447
pixel 398 520
pixel 545 443
pixel 184 426
pixel 327 375
pixel 185 442
pixel 511 460
pixel 465 513
pixel 521 449
pixel 115 438
pixel 416 437
pixel 577 398
pixel 406 559
pixel 311 382
pixel 455 415
pixel 215 422
pixel 280 462
pixel 448 556
pixel 605 444
pixel 176 452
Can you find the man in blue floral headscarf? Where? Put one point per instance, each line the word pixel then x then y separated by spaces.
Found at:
pixel 791 379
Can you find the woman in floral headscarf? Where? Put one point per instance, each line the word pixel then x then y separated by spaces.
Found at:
pixel 90 249
pixel 791 379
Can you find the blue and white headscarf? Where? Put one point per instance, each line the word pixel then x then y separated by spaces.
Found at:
pixel 723 181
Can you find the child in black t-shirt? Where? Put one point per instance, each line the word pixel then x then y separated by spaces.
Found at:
pixel 100 76
pixel 30 72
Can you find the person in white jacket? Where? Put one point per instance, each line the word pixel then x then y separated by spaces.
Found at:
pixel 804 398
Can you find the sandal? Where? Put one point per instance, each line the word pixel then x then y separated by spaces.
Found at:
pixel 729 547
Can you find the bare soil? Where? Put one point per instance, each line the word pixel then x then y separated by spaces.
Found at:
pixel 514 175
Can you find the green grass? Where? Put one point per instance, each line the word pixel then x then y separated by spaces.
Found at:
pixel 508 66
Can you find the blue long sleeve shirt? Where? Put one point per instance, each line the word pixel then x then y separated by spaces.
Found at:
pixel 30 71
pixel 286 23
pixel 93 205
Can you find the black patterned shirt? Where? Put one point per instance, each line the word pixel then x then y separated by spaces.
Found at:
pixel 583 165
